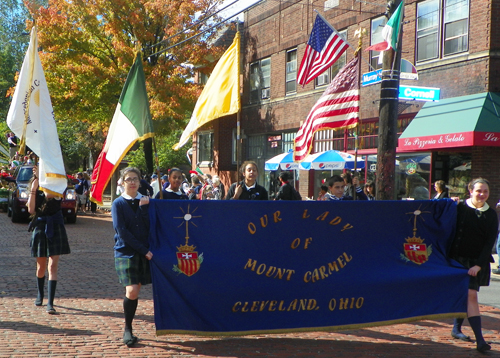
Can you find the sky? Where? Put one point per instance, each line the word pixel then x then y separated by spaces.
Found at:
pixel 237 6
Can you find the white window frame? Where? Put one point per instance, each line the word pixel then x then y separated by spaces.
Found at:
pixel 291 72
pixel 205 159
pixel 260 80
pixel 443 14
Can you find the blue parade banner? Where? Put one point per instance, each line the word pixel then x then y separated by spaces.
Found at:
pixel 251 267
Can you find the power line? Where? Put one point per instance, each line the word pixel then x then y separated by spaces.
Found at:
pixel 197 23
pixel 293 2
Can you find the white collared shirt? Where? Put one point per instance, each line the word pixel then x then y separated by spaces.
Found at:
pixel 128 197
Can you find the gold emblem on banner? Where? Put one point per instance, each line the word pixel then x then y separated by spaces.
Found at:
pixel 414 249
pixel 188 260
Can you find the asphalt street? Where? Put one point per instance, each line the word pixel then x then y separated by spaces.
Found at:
pixel 89 322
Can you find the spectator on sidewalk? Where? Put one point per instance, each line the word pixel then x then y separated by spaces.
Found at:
pixel 12 140
pixel 145 188
pixel 369 190
pixel 477 227
pixel 132 254
pixel 286 191
pixel 174 190
pixel 441 190
pixel 155 184
pixel 81 190
pixel 323 191
pixel 247 189
pixel 336 188
pixel 48 240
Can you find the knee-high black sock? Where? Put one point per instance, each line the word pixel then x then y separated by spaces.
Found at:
pixel 475 324
pixel 51 293
pixel 40 282
pixel 129 308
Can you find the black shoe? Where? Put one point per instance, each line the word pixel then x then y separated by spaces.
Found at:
pixel 483 347
pixel 129 339
pixel 496 271
pixel 51 310
pixel 460 336
pixel 38 301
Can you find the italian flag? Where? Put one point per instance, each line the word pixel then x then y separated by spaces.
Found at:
pixel 131 123
pixel 390 33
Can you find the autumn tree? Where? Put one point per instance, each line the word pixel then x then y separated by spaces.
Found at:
pixel 88 47
pixel 13 42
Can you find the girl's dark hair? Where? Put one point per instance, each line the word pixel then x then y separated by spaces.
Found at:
pixel 131 169
pixel 176 170
pixel 476 181
pixel 245 164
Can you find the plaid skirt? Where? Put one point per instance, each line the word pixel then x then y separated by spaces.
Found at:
pixel 41 246
pixel 133 271
pixel 483 276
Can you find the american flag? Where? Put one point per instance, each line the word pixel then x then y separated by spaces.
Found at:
pixel 337 108
pixel 324 47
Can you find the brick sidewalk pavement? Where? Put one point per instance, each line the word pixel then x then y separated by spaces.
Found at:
pixel 89 322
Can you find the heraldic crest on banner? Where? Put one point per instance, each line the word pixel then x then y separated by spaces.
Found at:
pixel 414 249
pixel 188 260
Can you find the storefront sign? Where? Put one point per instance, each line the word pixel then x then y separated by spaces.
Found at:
pixel 437 141
pixel 419 93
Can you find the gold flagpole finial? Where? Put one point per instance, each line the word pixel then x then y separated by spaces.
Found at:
pixel 359 33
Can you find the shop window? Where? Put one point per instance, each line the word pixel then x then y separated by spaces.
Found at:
pixel 376 37
pixel 291 71
pixel 260 80
pixel 326 77
pixel 205 148
pixel 442 28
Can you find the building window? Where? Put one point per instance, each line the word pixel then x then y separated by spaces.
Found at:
pixel 288 141
pixel 202 78
pixel 326 77
pixel 456 26
pixel 260 80
pixel 442 28
pixel 256 146
pixel 205 148
pixel 376 37
pixel 291 71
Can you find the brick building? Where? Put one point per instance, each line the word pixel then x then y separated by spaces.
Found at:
pixel 454 46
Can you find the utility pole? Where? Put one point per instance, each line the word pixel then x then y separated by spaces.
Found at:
pixel 388 116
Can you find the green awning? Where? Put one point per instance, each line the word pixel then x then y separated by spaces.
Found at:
pixel 465 121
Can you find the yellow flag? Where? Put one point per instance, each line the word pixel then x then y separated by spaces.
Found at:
pixel 221 95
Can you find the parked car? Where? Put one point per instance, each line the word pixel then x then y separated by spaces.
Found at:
pixel 18 197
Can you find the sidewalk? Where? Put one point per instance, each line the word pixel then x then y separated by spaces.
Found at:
pixel 89 322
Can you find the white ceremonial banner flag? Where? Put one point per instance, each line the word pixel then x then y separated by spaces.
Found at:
pixel 31 103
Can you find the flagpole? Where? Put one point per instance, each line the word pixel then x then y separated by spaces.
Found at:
pixel 360 32
pixel 157 168
pixel 22 144
pixel 238 117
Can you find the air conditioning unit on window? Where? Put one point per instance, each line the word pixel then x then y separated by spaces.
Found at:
pixel 266 93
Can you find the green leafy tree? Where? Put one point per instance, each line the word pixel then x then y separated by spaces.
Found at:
pixel 88 48
pixel 167 158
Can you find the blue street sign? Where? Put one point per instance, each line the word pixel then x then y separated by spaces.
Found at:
pixel 371 78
